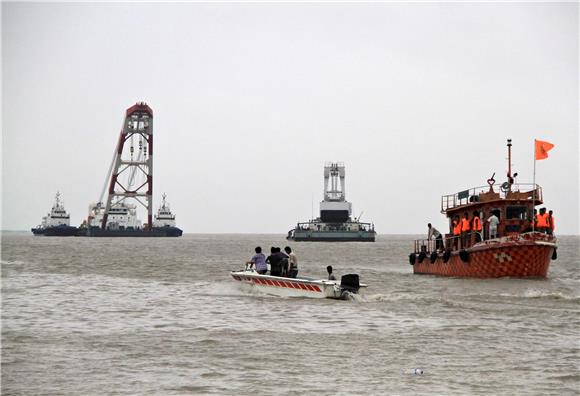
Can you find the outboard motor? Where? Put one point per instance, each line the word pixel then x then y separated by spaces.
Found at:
pixel 350 283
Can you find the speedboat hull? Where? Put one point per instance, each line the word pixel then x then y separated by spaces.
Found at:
pixel 295 287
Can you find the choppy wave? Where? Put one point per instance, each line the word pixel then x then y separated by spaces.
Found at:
pixel 81 318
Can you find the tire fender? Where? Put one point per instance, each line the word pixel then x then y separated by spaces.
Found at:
pixel 433 257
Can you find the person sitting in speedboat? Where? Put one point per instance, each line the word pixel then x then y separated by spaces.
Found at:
pixel 293 262
pixel 259 260
pixel 278 262
pixel 330 274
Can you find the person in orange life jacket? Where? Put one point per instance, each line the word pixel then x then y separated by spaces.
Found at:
pixel 465 230
pixel 476 226
pixel 535 219
pixel 542 221
pixel 456 228
pixel 551 222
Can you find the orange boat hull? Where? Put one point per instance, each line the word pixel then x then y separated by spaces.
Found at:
pixel 516 258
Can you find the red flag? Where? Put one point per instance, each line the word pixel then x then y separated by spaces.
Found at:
pixel 542 149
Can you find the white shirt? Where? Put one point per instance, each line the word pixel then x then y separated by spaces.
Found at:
pixel 293 260
pixel 433 232
pixel 493 221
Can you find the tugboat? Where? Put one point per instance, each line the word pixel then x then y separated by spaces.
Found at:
pixel 165 220
pixel 57 222
pixel 519 248
pixel 335 223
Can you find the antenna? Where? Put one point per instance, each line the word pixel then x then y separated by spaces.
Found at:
pixel 509 174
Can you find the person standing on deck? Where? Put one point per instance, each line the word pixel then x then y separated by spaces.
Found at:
pixel 434 233
pixel 476 226
pixel 259 260
pixel 542 221
pixel 465 230
pixel 292 261
pixel 551 222
pixel 456 224
pixel 493 223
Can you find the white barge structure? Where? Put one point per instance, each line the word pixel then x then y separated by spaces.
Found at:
pixel 335 223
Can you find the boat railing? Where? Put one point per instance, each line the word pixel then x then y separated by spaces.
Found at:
pixel 453 242
pixel 521 191
pixel 311 226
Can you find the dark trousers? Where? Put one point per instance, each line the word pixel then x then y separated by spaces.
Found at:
pixel 293 273
pixel 276 270
pixel 439 242
pixel 262 272
pixel 464 239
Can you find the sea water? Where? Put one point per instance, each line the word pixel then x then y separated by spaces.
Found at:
pixel 162 316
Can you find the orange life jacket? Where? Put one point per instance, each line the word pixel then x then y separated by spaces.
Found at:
pixel 476 224
pixel 465 226
pixel 542 220
pixel 456 227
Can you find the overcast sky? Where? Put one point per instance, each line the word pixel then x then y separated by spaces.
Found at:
pixel 250 100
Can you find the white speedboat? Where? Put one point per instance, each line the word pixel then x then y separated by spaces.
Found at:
pixel 299 287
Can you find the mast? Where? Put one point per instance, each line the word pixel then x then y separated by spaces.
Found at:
pixel 509 174
pixel 133 177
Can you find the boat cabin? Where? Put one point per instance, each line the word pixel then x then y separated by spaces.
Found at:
pixel 513 205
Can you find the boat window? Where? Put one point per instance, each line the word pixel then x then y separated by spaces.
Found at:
pixel 515 212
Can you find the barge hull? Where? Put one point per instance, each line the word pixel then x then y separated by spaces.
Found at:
pixel 332 237
pixel 154 232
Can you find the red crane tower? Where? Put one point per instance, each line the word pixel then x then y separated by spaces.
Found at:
pixel 131 171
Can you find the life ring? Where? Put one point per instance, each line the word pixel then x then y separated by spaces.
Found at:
pixel 554 255
pixel 446 256
pixel 433 257
pixel 505 187
pixel 421 257
pixel 464 255
pixel 412 258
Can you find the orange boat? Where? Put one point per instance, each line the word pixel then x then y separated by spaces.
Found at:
pixel 518 249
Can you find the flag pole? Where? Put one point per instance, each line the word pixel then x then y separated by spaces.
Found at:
pixel 535 189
